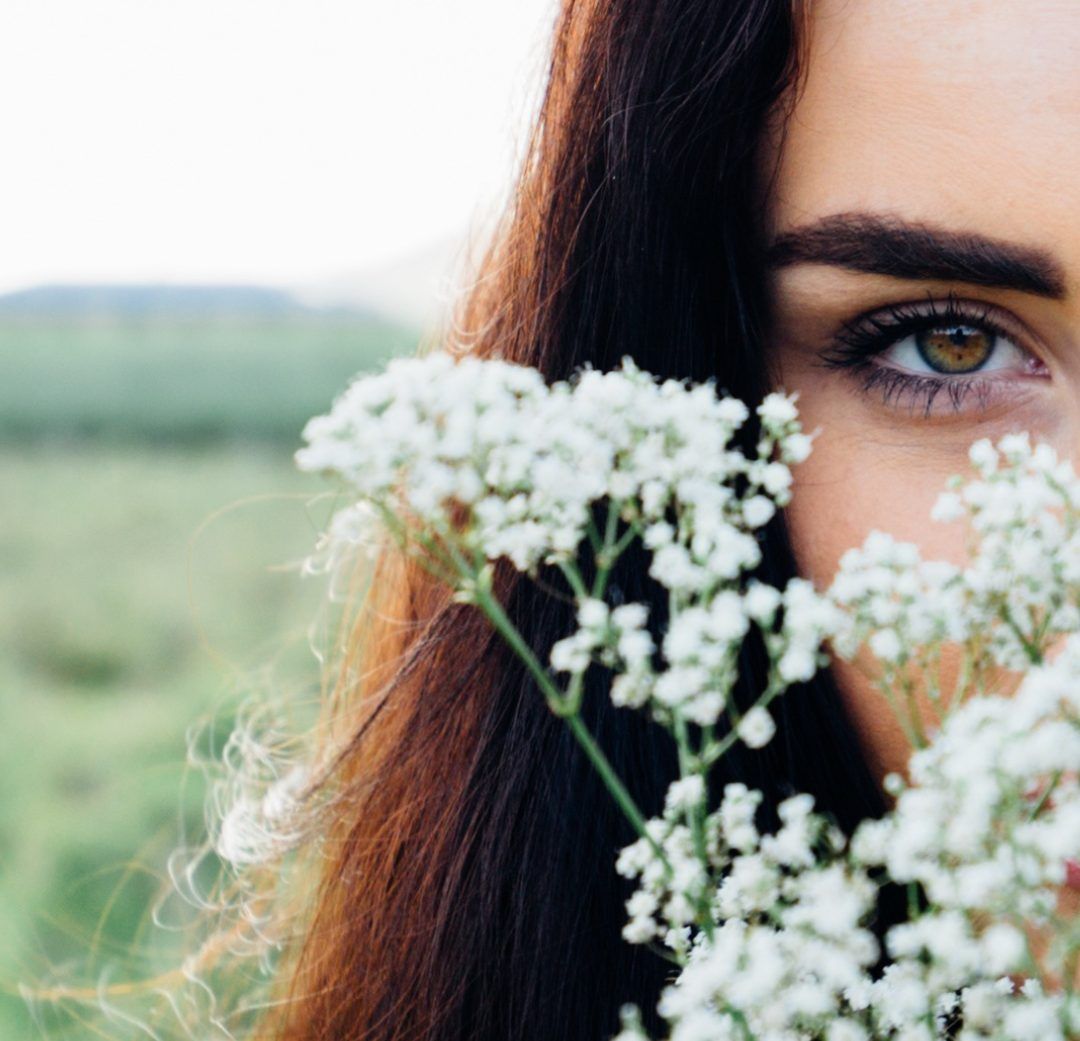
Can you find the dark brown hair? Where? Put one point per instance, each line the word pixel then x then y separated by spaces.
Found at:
pixel 468 888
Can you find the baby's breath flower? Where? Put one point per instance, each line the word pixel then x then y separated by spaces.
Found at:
pixel 758 510
pixel 983 456
pixel 886 644
pixel 777 411
pixel 948 507
pixel 592 613
pixel 761 602
pixel 570 654
pixel 685 793
pixel 796 448
pixel 756 728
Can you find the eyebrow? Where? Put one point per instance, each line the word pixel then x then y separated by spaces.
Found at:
pixel 885 245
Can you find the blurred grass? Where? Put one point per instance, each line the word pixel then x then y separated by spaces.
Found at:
pixel 119 444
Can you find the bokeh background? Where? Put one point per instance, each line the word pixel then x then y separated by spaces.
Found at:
pixel 213 214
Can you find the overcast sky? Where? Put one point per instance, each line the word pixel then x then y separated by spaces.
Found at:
pixel 273 141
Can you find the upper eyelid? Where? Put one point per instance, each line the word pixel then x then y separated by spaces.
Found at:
pixel 938 311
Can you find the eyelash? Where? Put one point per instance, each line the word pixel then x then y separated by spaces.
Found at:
pixel 863 339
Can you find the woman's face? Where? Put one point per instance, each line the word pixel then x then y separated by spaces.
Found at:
pixel 925 226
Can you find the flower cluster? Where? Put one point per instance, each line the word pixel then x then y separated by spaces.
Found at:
pixel 982 830
pixel 991 811
pixel 700 650
pixel 528 459
pixel 474 461
pixel 1017 587
pixel 788 951
pixel 528 462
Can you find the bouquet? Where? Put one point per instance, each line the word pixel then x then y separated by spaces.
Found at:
pixel 467 461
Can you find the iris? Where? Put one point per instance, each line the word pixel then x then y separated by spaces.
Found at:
pixel 955 348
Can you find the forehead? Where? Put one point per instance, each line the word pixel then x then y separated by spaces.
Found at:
pixel 965 112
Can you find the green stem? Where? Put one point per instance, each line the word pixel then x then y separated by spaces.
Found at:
pixel 611 525
pixel 1030 649
pixel 1045 797
pixel 886 687
pixel 574 694
pixel 574 579
pixel 715 751
pixel 434 561
pixel 688 766
pixel 962 681
pixel 609 552
pixel 913 711
pixel 614 784
pixel 594 535
pixel 493 609
pixel 559 705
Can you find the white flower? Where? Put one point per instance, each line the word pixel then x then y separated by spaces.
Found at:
pixel 983 456
pixel 756 728
pixel 758 510
pixel 592 613
pixel 886 645
pixel 570 654
pixel 948 507
pixel 639 930
pixel 797 664
pixel 796 448
pixel 846 1030
pixel 1004 947
pixel 685 793
pixel 631 689
pixel 761 602
pixel 629 616
pixel 778 409
pixel 658 534
pixel 776 478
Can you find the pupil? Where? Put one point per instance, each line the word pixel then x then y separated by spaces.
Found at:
pixel 955 348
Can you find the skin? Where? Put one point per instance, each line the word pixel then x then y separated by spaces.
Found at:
pixel 965 116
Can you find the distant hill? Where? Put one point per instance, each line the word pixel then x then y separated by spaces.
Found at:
pixel 202 301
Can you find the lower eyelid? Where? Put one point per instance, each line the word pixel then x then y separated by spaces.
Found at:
pixel 913 391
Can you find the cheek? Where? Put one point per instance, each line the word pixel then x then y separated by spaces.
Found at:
pixel 855 482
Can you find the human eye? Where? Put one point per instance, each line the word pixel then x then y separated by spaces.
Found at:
pixel 953 354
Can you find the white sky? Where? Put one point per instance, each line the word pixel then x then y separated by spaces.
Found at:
pixel 273 141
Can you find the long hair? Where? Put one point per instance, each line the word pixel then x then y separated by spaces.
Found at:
pixel 467 884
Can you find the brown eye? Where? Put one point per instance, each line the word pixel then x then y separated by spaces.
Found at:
pixel 955 348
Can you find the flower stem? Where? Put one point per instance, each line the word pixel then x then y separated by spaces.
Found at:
pixel 688 765
pixel 572 717
pixel 613 783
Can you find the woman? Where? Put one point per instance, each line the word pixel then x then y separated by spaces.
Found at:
pixel 874 204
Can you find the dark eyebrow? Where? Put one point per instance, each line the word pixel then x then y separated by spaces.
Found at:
pixel 890 246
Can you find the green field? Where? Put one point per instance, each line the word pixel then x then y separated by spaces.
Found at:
pixel 150 519
pixel 175 380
